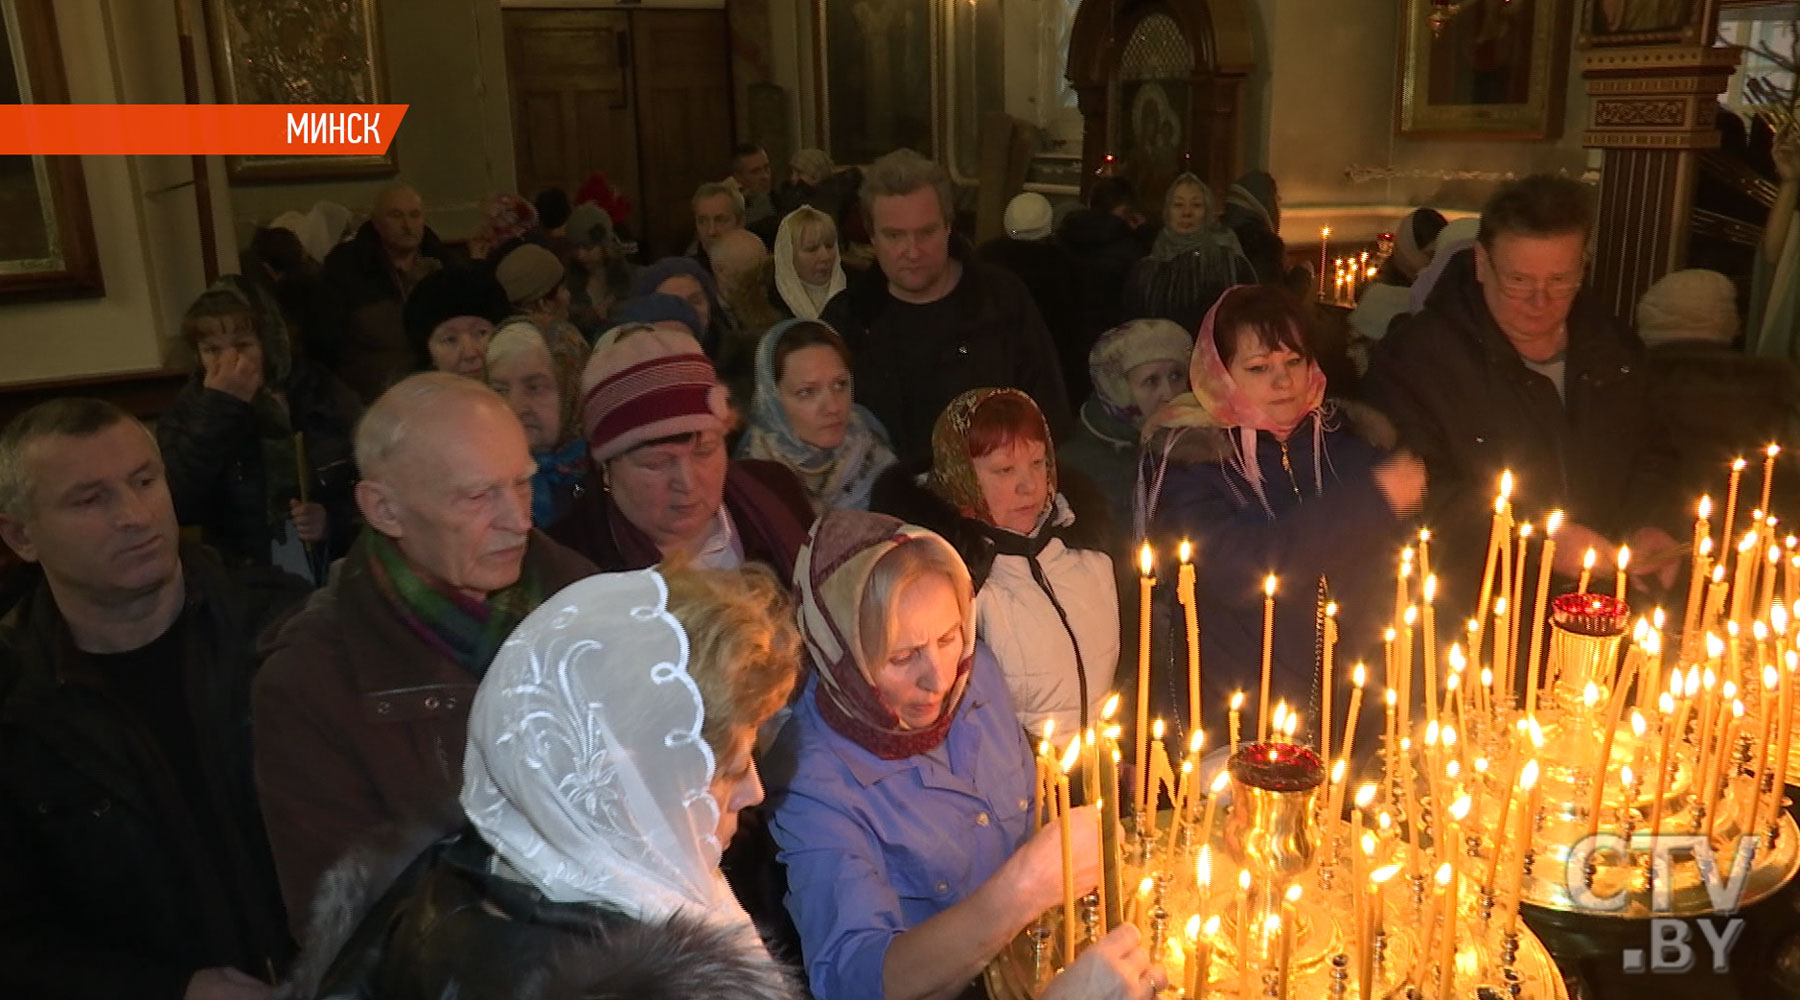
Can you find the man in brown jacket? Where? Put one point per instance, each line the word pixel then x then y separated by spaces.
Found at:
pixel 361 705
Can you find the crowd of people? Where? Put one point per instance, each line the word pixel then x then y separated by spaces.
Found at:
pixel 446 635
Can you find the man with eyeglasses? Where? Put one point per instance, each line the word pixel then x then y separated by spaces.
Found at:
pixel 1513 365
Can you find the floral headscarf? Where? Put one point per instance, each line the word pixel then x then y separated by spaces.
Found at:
pixel 830 577
pixel 838 477
pixel 953 469
pixel 1217 402
pixel 505 217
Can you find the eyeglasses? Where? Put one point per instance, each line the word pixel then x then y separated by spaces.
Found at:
pixel 1522 286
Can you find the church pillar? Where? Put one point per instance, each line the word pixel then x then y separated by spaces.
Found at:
pixel 1652 111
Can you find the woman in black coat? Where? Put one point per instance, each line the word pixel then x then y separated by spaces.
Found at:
pixel 258 444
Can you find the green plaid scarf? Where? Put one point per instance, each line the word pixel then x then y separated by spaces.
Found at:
pixel 467 631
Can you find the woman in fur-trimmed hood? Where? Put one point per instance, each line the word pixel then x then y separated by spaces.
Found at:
pixel 1266 476
pixel 1036 549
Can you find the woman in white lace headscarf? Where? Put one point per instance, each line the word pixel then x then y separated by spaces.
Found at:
pixel 808 271
pixel 609 754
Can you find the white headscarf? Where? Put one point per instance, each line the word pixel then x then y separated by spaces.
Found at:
pixel 586 771
pixel 804 299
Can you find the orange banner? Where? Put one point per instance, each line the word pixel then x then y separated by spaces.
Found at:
pixel 188 129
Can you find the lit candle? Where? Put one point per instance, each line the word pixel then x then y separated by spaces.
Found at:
pixel 1200 947
pixel 1429 593
pixel 1448 884
pixel 1770 764
pixel 1769 454
pixel 1496 535
pixel 1609 731
pixel 1697 573
pixel 1372 920
pixel 1179 818
pixel 1731 492
pixel 1540 608
pixel 1741 583
pixel 1785 725
pixel 1515 605
pixel 1219 784
pixel 1153 765
pixel 1768 581
pixel 1326 680
pixel 1624 563
pixel 1068 858
pixel 1500 827
pixel 1714 791
pixel 1268 650
pixel 1246 968
pixel 1290 929
pixel 1673 705
pixel 1184 589
pixel 1391 752
pixel 1357 677
pixel 1527 826
pixel 1110 901
pixel 1324 244
pixel 1146 587
pixel 1588 559
pixel 1234 717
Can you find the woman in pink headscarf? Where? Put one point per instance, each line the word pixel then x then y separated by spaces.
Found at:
pixel 1265 475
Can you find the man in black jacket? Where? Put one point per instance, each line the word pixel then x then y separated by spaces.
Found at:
pixel 369 278
pixel 1513 366
pixel 927 324
pixel 132 856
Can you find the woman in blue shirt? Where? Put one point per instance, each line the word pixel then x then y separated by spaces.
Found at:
pixel 902 787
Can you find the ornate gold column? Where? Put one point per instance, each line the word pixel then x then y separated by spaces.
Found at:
pixel 1652 111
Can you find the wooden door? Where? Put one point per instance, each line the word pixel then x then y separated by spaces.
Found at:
pixel 572 108
pixel 681 73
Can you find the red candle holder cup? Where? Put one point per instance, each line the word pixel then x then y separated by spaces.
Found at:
pixel 1594 615
pixel 1277 767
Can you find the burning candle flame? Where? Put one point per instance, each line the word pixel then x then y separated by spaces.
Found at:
pixel 1331 609
pixel 1156 729
pixel 1529 776
pixel 1705 507
pixel 1237 700
pixel 1146 560
pixel 1637 724
pixel 1359 675
pixel 1624 560
pixel 1111 706
pixel 1588 558
pixel 1461 809
pixel 1196 741
pixel 1070 757
pixel 1382 874
pixel 1365 795
pixel 1443 874
pixel 1506 484
pixel 1269 585
pixel 1186 551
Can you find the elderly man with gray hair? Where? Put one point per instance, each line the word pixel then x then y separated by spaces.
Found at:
pixel 933 321
pixel 362 704
pixel 132 857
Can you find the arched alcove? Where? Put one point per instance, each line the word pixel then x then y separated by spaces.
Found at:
pixel 1160 85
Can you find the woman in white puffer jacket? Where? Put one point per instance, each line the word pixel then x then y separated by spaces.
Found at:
pixel 1046 600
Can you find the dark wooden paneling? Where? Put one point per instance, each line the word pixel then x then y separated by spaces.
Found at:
pixel 681 68
pixel 572 110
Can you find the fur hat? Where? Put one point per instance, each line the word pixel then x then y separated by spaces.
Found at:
pixel 529 273
pixel 1124 347
pixel 445 295
pixel 648 385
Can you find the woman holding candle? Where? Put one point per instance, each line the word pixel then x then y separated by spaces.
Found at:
pixel 901 787
pixel 1035 544
pixel 1268 477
